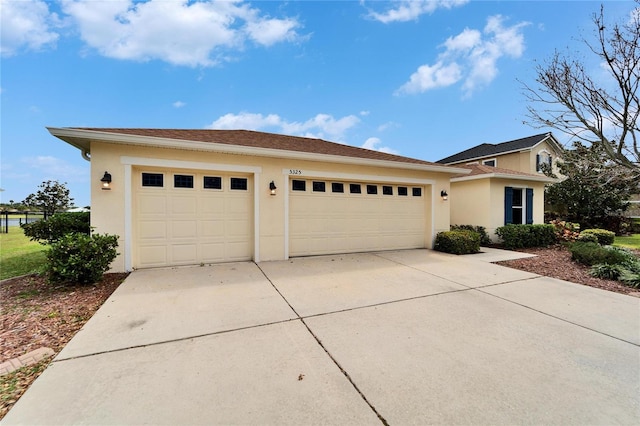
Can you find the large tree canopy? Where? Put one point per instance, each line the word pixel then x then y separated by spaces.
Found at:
pixel 590 195
pixel 594 110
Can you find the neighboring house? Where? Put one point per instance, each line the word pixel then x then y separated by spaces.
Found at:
pixel 525 155
pixel 493 197
pixel 184 197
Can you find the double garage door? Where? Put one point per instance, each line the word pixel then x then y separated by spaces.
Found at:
pixel 341 217
pixel 188 217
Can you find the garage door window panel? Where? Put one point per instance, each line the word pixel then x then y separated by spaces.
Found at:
pixel 238 184
pixel 337 187
pixel 298 185
pixel 182 181
pixel 387 190
pixel 417 192
pixel 402 191
pixel 355 188
pixel 372 189
pixel 212 182
pixel 153 180
pixel 319 186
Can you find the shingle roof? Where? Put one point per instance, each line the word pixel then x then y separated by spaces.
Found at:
pixel 248 138
pixel 489 149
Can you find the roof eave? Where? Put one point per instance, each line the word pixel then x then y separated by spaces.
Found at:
pixel 543 179
pixel 81 139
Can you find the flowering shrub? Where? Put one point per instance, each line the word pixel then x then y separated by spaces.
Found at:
pixel 566 231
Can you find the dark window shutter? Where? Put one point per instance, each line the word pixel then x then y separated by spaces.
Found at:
pixel 529 205
pixel 508 205
pixel 537 162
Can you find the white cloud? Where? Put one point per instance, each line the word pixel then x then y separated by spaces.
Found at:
pixel 387 125
pixel 470 56
pixel 431 77
pixel 26 25
pixel 320 126
pixel 178 32
pixel 56 168
pixel 271 31
pixel 179 104
pixel 409 10
pixel 374 144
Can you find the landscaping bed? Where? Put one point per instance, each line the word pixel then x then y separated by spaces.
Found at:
pixel 37 314
pixel 556 262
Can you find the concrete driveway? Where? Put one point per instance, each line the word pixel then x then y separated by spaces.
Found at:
pixel 406 337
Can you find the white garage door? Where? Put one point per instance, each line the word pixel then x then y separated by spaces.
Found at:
pixel 190 217
pixel 346 217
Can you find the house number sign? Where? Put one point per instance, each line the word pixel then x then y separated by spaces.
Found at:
pixel 295 171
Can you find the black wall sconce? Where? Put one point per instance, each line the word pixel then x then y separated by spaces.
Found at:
pixel 106 181
pixel 444 195
pixel 272 188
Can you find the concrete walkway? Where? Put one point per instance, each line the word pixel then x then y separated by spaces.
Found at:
pixel 381 338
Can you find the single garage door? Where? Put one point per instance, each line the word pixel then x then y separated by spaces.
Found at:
pixel 191 217
pixel 329 217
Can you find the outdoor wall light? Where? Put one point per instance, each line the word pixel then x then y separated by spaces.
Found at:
pixel 106 181
pixel 444 195
pixel 272 188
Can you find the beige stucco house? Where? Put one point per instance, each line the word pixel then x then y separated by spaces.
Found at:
pixel 493 197
pixel 525 155
pixel 506 183
pixel 183 197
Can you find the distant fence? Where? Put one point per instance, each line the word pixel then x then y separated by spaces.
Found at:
pixel 8 219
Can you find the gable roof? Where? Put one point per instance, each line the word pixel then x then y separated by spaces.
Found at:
pixel 482 172
pixel 235 141
pixel 490 149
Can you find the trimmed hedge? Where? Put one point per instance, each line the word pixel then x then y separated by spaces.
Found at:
pixel 52 229
pixel 485 240
pixel 520 236
pixel 605 238
pixel 593 254
pixel 458 242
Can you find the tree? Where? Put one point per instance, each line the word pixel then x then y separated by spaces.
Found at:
pixel 53 196
pixel 603 112
pixel 592 196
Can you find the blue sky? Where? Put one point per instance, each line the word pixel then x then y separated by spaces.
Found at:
pixel 422 79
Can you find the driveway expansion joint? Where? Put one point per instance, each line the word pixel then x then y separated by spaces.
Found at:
pixel 331 357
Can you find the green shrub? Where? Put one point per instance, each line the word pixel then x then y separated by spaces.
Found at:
pixel 604 237
pixel 485 240
pixel 458 242
pixel 630 278
pixel 81 258
pixel 519 236
pixel 50 230
pixel 593 253
pixel 587 238
pixel 606 271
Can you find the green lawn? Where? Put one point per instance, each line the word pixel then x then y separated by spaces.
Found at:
pixel 18 255
pixel 632 242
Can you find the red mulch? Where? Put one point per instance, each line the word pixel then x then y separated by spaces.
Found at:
pixel 556 262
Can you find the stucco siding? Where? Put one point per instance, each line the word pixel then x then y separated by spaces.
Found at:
pixel 110 208
pixel 470 203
